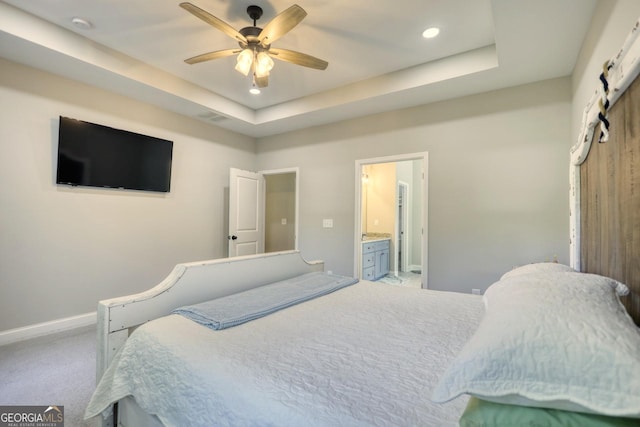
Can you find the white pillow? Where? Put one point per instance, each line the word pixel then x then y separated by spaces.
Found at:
pixel 552 340
pixel 554 267
pixel 538 267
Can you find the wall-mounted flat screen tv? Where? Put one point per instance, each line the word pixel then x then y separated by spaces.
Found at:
pixel 100 156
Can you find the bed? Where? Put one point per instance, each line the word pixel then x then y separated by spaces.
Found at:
pixel 360 353
pixel 326 361
pixel 547 343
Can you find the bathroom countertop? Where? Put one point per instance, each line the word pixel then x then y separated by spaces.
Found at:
pixel 374 239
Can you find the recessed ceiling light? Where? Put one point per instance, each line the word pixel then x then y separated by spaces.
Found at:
pixel 430 33
pixel 254 91
pixel 81 23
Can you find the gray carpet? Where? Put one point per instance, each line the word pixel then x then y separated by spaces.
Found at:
pixel 56 369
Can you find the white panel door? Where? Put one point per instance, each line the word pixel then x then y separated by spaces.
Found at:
pixel 246 213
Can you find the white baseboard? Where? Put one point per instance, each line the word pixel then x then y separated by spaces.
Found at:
pixel 39 329
pixel 414 267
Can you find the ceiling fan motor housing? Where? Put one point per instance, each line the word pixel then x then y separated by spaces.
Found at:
pixel 251 33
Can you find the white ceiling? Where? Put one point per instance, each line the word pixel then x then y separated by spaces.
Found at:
pixel 378 60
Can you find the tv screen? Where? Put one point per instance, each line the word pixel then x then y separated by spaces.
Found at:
pixel 100 156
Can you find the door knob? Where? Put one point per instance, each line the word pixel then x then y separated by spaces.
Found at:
pixel 232 237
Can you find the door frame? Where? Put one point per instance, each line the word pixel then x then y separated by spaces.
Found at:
pixel 357 237
pixel 402 265
pixel 295 170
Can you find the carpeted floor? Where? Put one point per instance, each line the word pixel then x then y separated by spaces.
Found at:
pixel 57 369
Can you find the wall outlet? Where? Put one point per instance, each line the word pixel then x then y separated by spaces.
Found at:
pixel 283 221
pixel 327 223
pixel 475 291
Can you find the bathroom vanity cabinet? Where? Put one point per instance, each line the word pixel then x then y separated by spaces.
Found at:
pixel 375 259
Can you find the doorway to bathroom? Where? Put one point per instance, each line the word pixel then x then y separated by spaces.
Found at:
pixel 391 217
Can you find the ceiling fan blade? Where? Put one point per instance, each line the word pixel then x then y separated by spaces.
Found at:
pixel 213 21
pixel 298 58
pixel 212 55
pixel 262 81
pixel 281 24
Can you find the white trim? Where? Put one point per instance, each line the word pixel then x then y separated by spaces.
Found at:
pixel 625 67
pixel 357 238
pixel 407 228
pixel 40 329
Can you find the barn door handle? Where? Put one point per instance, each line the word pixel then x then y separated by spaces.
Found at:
pixel 232 237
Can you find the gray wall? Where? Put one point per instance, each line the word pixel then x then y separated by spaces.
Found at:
pixel 498 174
pixel 497 184
pixel 62 249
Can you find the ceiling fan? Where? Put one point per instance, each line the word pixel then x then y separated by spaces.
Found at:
pixel 255 50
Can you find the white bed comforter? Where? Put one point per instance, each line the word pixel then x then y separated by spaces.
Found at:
pixel 369 354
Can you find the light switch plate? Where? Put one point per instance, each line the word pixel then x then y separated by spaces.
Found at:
pixel 327 223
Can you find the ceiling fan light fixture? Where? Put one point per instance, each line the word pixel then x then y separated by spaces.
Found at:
pixel 244 61
pixel 263 64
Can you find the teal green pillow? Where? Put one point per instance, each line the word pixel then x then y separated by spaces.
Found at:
pixel 481 413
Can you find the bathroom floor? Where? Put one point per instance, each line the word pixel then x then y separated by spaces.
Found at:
pixel 408 279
